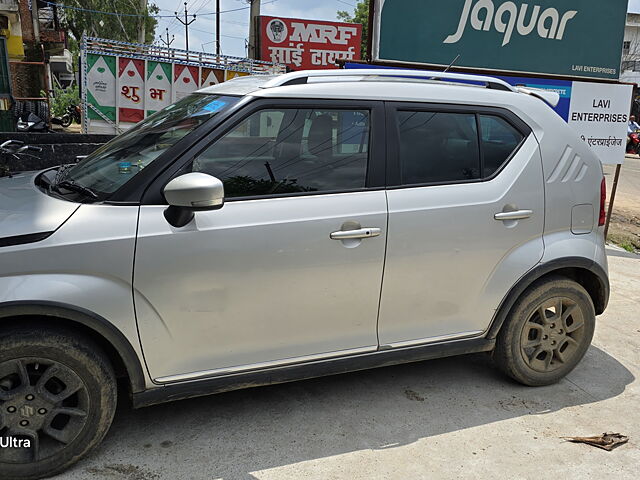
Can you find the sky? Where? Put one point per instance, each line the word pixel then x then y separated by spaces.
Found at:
pixel 234 26
pixel 634 6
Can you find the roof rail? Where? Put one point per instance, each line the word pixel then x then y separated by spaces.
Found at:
pixel 302 77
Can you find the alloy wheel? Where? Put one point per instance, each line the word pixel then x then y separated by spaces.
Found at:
pixel 552 335
pixel 42 401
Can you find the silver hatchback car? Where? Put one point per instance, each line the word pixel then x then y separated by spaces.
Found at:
pixel 270 229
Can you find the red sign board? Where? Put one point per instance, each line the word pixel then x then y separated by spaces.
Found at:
pixel 308 44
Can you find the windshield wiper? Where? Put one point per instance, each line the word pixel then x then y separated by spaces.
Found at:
pixel 75 187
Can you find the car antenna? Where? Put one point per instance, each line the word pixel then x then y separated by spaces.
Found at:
pixel 451 64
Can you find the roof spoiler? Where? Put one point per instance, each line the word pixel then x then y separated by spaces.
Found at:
pixel 547 96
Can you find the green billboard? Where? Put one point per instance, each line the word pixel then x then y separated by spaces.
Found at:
pixel 576 38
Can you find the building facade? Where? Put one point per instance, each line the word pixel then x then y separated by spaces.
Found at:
pixel 630 70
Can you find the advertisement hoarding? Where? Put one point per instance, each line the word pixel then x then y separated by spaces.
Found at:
pixel 308 44
pixel 101 86
pixel 131 82
pixel 158 86
pixel 125 82
pixel 576 38
pixel 598 112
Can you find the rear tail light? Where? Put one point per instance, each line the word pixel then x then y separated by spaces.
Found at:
pixel 603 199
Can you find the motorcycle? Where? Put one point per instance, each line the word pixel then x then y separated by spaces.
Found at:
pixel 633 145
pixel 15 149
pixel 71 115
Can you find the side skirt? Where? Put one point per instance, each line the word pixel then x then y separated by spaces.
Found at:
pixel 319 368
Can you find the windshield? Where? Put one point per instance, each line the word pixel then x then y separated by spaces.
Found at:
pixel 115 163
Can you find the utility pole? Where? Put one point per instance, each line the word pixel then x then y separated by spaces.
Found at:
pixel 218 29
pixel 167 42
pixel 186 22
pixel 143 21
pixel 253 29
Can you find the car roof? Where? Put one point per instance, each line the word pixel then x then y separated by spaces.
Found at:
pixel 378 84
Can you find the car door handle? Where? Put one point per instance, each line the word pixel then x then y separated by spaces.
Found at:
pixel 360 233
pixel 517 215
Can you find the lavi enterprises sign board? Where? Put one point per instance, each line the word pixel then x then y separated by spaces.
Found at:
pixel 600 114
pixel 575 38
pixel 308 44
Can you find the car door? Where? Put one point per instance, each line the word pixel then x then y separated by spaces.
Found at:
pixel 290 269
pixel 466 217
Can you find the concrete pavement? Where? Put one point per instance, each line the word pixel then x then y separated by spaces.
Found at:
pixel 449 418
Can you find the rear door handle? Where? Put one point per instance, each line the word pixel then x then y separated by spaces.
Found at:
pixel 517 215
pixel 360 233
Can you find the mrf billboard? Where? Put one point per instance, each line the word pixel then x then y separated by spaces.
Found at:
pixel 577 38
pixel 308 44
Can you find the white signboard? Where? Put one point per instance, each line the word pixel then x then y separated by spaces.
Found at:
pixel 599 112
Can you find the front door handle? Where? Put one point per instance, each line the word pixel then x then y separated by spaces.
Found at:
pixel 517 215
pixel 360 233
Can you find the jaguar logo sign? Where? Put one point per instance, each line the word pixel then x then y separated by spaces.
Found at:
pixel 564 38
pixel 507 19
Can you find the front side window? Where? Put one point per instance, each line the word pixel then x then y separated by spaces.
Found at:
pixel 118 161
pixel 438 147
pixel 291 150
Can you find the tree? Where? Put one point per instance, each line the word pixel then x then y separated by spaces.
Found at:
pixel 114 27
pixel 360 15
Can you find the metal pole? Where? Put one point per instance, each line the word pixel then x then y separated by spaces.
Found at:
pixel 613 198
pixel 186 24
pixel 167 42
pixel 186 28
pixel 253 29
pixel 218 29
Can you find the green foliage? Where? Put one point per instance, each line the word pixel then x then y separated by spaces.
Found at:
pixel 360 15
pixel 628 246
pixel 61 98
pixel 240 185
pixel 113 27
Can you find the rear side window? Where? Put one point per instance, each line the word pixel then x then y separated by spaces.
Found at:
pixel 449 147
pixel 499 141
pixel 289 150
pixel 438 147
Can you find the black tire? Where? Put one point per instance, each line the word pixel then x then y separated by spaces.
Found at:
pixel 66 120
pixel 54 363
pixel 524 350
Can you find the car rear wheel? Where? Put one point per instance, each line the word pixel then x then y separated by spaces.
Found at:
pixel 57 401
pixel 547 332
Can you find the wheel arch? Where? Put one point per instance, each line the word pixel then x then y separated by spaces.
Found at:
pixel 117 347
pixel 582 270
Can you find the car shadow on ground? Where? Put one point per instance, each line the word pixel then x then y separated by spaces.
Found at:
pixel 230 435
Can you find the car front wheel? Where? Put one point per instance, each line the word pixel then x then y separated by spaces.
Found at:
pixel 57 400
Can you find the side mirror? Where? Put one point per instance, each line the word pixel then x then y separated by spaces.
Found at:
pixel 189 193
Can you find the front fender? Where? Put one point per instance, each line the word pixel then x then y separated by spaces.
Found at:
pixel 98 324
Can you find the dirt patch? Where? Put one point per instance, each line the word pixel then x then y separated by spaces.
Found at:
pixel 625 219
pixel 415 396
pixel 123 472
pixel 624 229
